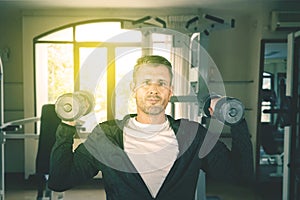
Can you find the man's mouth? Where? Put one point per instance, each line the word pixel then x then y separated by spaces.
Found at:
pixel 153 100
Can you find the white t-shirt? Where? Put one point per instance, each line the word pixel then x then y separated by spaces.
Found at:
pixel 153 149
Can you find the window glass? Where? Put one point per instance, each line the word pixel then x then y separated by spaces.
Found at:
pixel 54 73
pixel 93 77
pixel 267 81
pixel 266 105
pixel 61 35
pixel 106 32
pixel 265 117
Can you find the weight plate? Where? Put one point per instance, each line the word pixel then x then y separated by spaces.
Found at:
pixel 67 107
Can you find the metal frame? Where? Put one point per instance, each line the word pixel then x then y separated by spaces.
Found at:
pixel 15 125
pixel 289 131
pixel 3 136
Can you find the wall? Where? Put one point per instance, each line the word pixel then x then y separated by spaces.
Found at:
pixel 11 37
pixel 235 51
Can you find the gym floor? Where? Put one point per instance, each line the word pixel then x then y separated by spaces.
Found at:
pixel 16 188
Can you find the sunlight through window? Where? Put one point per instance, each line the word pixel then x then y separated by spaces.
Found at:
pixel 98 57
pixel 62 35
pixel 106 31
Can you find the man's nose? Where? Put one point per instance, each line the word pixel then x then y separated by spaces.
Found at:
pixel 153 88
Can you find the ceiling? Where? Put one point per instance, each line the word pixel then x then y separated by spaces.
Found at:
pixel 112 3
pixel 235 5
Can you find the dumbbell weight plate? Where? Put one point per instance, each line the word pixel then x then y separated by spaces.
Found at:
pixel 68 107
pixel 229 110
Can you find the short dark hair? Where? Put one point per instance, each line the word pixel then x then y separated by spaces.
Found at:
pixel 152 59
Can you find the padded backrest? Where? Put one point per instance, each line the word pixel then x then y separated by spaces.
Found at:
pixel 48 126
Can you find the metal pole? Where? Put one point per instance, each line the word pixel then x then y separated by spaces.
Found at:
pixel 287 130
pixel 2 166
pixel 4 136
pixel 2 139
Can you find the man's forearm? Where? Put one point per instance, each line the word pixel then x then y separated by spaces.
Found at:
pixel 61 157
pixel 242 150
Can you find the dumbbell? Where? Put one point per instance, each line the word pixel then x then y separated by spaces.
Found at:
pixel 72 106
pixel 228 110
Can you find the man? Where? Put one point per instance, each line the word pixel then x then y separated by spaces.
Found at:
pixel 149 155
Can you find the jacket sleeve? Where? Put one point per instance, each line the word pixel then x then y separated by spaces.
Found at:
pixel 235 164
pixel 68 168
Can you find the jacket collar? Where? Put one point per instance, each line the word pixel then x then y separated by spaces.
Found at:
pixel 174 123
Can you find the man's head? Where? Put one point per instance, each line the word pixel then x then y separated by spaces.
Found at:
pixel 152 80
pixel 152 59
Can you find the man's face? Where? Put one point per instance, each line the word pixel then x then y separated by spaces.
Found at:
pixel 152 89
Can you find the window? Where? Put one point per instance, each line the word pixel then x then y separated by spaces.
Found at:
pixel 84 57
pixel 267 103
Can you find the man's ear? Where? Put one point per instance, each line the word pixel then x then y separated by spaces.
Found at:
pixel 211 111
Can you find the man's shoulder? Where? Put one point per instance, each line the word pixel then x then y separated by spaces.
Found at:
pixel 116 122
pixel 110 129
pixel 185 124
pixel 181 120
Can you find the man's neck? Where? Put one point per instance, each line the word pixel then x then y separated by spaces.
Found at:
pixel 151 119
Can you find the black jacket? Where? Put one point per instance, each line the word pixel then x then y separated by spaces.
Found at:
pixel 103 151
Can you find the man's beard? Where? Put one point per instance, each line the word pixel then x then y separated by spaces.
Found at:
pixel 152 109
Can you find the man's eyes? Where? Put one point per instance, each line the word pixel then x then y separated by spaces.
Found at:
pixel 160 83
pixel 147 82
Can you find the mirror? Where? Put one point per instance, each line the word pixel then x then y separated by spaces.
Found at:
pixel 271 119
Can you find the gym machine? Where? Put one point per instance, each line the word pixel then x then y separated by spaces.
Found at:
pixel 11 126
